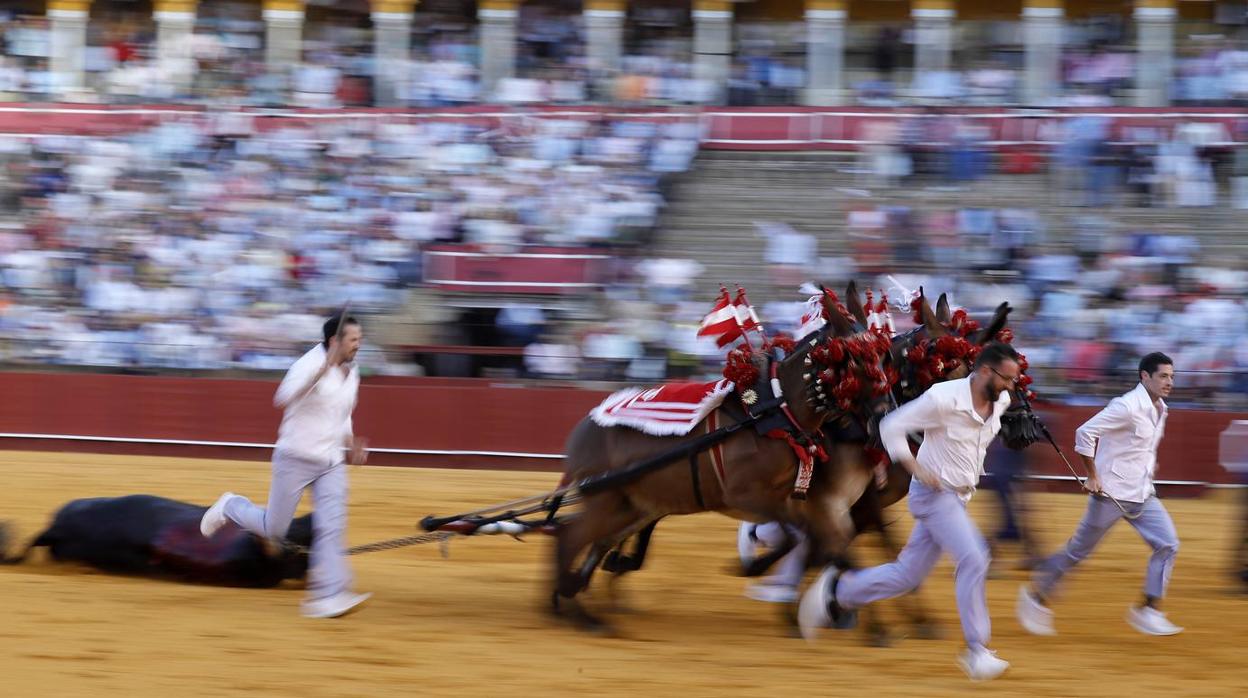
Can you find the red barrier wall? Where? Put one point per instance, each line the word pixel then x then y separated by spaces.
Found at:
pixel 427 414
pixel 726 128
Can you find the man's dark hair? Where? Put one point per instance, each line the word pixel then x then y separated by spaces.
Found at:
pixel 994 353
pixel 1150 363
pixel 330 328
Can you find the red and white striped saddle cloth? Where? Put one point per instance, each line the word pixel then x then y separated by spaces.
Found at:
pixel 668 410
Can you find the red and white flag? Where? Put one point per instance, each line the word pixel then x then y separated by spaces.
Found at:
pixel 722 322
pixel 745 313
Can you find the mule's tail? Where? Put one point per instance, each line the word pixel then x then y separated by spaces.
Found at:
pixel 6 534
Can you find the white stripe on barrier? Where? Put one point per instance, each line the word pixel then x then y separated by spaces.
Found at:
pixel 517 255
pixel 535 284
pixel 436 452
pixel 1184 483
pixel 245 444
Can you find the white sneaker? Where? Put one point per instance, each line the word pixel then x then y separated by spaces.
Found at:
pixel 746 543
pixel 812 612
pixel 1150 621
pixel 1034 616
pixel 215 517
pixel 982 664
pixel 772 592
pixel 339 604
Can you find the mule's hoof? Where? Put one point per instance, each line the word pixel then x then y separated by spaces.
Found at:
pixel 614 562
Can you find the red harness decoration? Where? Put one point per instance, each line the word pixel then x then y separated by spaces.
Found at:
pixel 806 456
pixel 807 447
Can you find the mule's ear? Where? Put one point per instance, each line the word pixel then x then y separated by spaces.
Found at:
pixel 999 320
pixel 842 326
pixel 943 313
pixel 934 327
pixel 855 304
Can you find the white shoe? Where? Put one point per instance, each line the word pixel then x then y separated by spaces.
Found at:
pixel 1150 621
pixel 339 604
pixel 1033 615
pixel 215 518
pixel 982 664
pixel 772 592
pixel 812 612
pixel 746 543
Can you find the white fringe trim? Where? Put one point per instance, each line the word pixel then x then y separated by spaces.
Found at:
pixel 644 417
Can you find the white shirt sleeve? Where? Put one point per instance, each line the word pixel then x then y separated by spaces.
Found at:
pixel 295 381
pixel 1116 415
pixel 911 418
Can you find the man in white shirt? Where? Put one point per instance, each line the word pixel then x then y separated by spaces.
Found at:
pixel 958 420
pixel 1119 449
pixel 318 396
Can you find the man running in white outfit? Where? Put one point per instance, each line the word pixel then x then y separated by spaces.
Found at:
pixel 318 396
pixel 1119 449
pixel 958 419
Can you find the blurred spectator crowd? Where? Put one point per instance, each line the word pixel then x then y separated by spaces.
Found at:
pixel 222 243
pixel 219 244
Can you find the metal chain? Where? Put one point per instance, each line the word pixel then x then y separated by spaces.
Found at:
pixel 405 541
pixel 391 544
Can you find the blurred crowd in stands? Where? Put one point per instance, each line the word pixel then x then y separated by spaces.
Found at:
pixel 217 244
pixel 221 244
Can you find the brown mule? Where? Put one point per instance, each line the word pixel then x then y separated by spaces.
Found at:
pixel 758 472
pixel 867 512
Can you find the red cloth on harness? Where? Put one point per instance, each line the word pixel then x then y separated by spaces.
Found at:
pixel 668 410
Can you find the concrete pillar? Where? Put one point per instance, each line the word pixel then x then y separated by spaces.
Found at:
pixel 1042 41
pixel 604 40
pixel 933 37
pixel 1154 57
pixel 392 48
pixel 283 34
pixel 175 25
pixel 67 21
pixel 825 52
pixel 712 44
pixel 497 21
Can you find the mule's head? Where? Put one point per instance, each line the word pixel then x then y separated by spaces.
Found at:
pixel 844 370
pixel 943 346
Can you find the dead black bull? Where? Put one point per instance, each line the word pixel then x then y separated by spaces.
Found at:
pixel 158 537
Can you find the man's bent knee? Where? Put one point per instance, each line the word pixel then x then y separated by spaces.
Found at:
pixel 1169 548
pixel 973 563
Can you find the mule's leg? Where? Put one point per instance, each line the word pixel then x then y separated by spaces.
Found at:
pixel 617 562
pixel 640 531
pixel 603 518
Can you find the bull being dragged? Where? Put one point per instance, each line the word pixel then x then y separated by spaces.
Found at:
pixel 157 537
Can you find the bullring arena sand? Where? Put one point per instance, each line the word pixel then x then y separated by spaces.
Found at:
pixel 474 624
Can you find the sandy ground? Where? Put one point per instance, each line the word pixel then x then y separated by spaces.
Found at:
pixel 474 624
